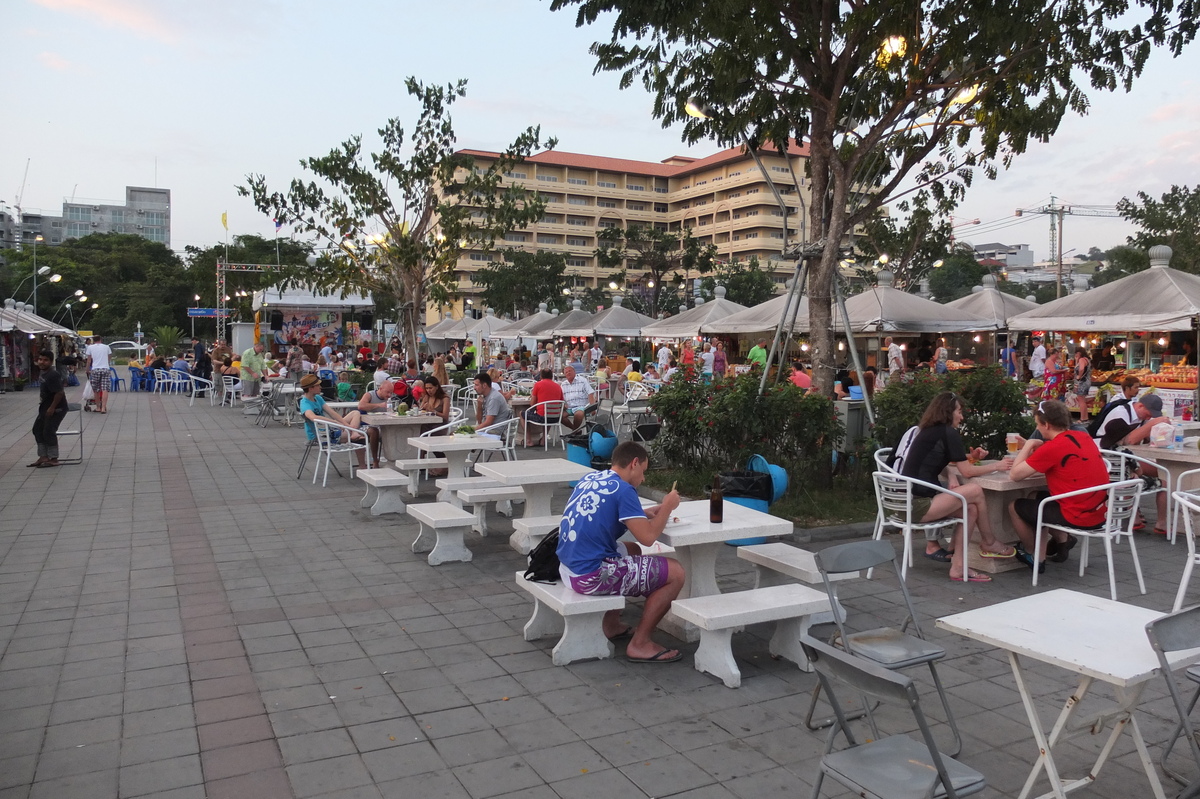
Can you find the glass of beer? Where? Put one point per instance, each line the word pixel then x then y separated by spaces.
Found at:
pixel 1014 442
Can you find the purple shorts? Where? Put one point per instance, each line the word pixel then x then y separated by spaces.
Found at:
pixel 626 575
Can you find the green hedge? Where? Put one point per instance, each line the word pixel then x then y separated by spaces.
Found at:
pixel 993 406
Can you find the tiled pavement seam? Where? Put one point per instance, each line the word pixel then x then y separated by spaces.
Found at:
pixel 238 754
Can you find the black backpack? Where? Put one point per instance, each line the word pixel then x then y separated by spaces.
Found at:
pixel 543 560
pixel 1093 428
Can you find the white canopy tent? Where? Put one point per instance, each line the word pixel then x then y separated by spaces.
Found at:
pixel 761 318
pixel 1159 298
pixel 614 321
pixel 575 319
pixel 992 304
pixel 886 309
pixel 18 317
pixel 688 324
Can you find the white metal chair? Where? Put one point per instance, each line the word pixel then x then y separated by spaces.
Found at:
pixel 1123 466
pixel 328 445
pixel 1122 502
pixel 1181 479
pixel 198 384
pixel 894 505
pixel 163 381
pixel 635 391
pixel 896 766
pixel 1189 504
pixel 551 412
pixel 507 431
pixel 231 390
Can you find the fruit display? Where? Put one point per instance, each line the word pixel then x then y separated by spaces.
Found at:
pixel 1171 376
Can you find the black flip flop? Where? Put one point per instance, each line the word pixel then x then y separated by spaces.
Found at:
pixel 34 465
pixel 941 556
pixel 47 465
pixel 657 658
pixel 621 636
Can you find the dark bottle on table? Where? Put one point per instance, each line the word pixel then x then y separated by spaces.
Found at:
pixel 716 502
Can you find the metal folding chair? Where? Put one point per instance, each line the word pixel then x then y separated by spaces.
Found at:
pixel 1173 633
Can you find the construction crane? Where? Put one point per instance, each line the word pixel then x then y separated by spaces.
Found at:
pixel 1056 213
pixel 19 235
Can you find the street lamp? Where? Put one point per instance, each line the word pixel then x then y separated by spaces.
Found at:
pixel 197 305
pixel 36 239
pixel 91 307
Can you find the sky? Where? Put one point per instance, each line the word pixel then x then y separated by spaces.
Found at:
pixel 194 96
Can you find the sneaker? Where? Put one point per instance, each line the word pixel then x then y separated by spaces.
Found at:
pixel 1027 559
pixel 1061 551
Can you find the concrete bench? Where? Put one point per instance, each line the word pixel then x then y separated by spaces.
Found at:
pixel 578 618
pixel 445 525
pixel 480 497
pixel 448 487
pixel 383 490
pixel 528 533
pixel 775 563
pixel 413 468
pixel 789 606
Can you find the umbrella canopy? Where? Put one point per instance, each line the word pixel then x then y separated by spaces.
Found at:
pixel 17 316
pixel 615 320
pixel 991 303
pixel 1160 298
pixel 574 320
pixel 687 324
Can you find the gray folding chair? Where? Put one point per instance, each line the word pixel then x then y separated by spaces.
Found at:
pixel 896 767
pixel 1172 633
pixel 891 648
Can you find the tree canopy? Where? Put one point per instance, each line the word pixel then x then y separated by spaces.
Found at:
pixel 652 257
pixel 1174 220
pixel 523 280
pixel 747 282
pixel 881 92
pixel 395 222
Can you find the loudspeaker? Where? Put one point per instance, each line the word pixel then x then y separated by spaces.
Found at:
pixel 368 321
pixel 276 320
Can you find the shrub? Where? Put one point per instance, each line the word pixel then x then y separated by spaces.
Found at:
pixel 717 426
pixel 994 405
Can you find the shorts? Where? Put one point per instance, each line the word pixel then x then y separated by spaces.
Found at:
pixel 625 575
pixel 533 416
pixel 1082 389
pixel 99 379
pixel 1027 509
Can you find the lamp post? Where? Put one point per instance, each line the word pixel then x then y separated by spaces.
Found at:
pixel 91 307
pixel 196 299
pixel 36 239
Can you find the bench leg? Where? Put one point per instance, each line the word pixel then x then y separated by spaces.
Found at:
pixel 582 639
pixel 543 622
pixel 449 547
pixel 480 523
pixel 426 539
pixel 370 497
pixel 414 482
pixel 715 656
pixel 523 543
pixel 785 643
pixel 505 508
pixel 448 496
pixel 388 500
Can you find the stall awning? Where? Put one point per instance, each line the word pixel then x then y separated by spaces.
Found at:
pixel 688 323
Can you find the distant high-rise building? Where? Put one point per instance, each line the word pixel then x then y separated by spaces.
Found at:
pixel 146 213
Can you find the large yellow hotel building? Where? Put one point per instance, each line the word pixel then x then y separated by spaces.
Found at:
pixel 723 199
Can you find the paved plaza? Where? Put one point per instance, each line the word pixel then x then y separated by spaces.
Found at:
pixel 181 617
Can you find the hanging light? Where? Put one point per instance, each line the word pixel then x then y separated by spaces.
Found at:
pixel 1162 342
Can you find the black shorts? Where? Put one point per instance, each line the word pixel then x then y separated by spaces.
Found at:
pixel 1027 509
pixel 533 416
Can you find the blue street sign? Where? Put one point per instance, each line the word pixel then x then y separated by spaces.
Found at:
pixel 205 312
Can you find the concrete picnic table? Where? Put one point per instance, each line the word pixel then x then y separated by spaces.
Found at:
pixel 456 448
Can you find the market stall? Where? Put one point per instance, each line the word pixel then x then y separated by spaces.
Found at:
pixel 1152 315
pixel 22 334
pixel 688 324
pixel 312 318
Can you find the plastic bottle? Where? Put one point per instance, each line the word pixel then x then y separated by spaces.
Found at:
pixel 1178 443
pixel 716 502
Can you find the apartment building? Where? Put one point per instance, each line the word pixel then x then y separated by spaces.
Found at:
pixel 724 199
pixel 146 213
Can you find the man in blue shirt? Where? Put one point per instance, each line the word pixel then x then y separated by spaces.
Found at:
pixel 312 406
pixel 603 506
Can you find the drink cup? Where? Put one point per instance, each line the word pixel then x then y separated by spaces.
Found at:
pixel 1014 443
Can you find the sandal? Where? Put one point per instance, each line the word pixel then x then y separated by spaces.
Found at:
pixel 941 555
pixel 972 577
pixel 983 553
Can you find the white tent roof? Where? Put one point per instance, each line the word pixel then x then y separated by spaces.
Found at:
pixel 538 323
pixel 437 329
pixel 513 329
pixel 991 303
pixel 569 324
pixel 487 326
pixel 615 320
pixel 17 316
pixel 300 297
pixel 761 318
pixel 887 309
pixel 688 323
pixel 1159 298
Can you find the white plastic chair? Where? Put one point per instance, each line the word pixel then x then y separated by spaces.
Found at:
pixel 1122 501
pixel 1122 465
pixel 894 505
pixel 231 389
pixel 327 447
pixel 507 431
pixel 636 391
pixel 198 384
pixel 551 412
pixel 1189 504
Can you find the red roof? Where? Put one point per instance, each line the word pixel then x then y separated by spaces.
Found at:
pixel 678 165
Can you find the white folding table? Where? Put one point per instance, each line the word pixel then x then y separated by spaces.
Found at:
pixel 1099 639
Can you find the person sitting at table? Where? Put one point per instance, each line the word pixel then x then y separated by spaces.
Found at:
pixel 602 370
pixel 312 406
pixel 434 399
pixel 578 394
pixel 161 363
pixel 180 364
pixel 1148 411
pixel 376 401
pixel 491 408
pixel 544 390
pixel 651 372
pixel 672 368
pixel 633 372
pixel 937 445
pixel 439 371
pixel 1071 461
pixel 591 561
pixel 799 377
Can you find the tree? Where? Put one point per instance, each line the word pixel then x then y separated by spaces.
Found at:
pixel 397 225
pixel 1121 261
pixel 1174 220
pixel 958 274
pixel 912 244
pixel 654 256
pixel 522 280
pixel 746 282
pixel 890 97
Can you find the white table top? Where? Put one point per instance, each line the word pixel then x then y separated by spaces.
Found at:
pixel 455 443
pixel 1188 455
pixel 517 473
pixel 739 522
pixel 1001 481
pixel 393 419
pixel 1086 634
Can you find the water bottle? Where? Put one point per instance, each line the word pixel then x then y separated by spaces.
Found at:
pixel 1178 444
pixel 392 405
